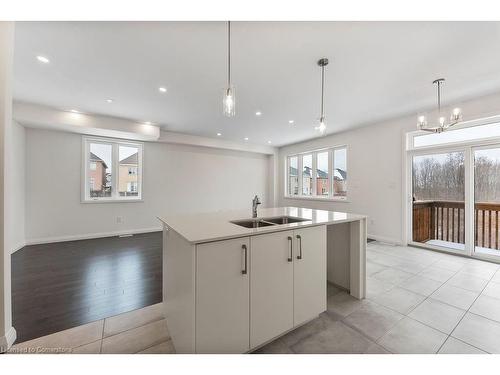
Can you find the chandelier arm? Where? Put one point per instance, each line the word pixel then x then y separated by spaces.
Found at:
pixel 430 130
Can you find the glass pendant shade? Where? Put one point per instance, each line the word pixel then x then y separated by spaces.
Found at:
pixel 421 120
pixel 228 101
pixel 321 126
pixel 456 115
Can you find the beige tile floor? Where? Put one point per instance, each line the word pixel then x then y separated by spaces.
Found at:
pixel 418 301
pixel 142 331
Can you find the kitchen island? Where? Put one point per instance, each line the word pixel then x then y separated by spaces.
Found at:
pixel 232 283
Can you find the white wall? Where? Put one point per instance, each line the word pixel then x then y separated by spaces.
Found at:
pixel 7 332
pixel 177 179
pixel 375 172
pixel 16 173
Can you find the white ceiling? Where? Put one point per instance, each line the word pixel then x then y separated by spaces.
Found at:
pixel 377 70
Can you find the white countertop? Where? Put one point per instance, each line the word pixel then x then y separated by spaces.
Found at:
pixel 197 228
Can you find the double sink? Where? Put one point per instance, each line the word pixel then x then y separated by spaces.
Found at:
pixel 265 222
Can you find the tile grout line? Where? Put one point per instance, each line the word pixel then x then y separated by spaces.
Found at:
pixel 426 298
pixel 130 329
pixel 158 343
pixel 102 335
pixel 429 297
pixel 467 311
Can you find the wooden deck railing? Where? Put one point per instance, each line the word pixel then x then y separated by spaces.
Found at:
pixel 445 220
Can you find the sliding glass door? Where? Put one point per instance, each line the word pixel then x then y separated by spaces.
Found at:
pixel 486 200
pixel 453 189
pixel 438 200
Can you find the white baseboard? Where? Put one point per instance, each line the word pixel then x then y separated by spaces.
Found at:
pixel 389 240
pixel 89 236
pixel 8 340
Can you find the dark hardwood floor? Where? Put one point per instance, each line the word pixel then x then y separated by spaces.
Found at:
pixel 62 285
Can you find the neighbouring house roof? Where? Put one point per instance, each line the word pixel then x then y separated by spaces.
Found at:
pixel 338 173
pixel 97 159
pixel 132 159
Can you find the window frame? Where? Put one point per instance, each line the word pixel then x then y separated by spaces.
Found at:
pixel 314 196
pixel 409 142
pixel 115 166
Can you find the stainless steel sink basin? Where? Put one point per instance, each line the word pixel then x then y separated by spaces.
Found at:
pixel 265 222
pixel 252 223
pixel 284 220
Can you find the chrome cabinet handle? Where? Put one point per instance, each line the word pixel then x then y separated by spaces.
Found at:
pixel 290 240
pixel 245 251
pixel 300 247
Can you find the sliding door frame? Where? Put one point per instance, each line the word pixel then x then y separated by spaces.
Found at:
pixel 475 254
pixel 468 147
pixel 409 194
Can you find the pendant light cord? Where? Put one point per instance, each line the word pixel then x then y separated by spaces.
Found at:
pixel 322 91
pixel 439 96
pixel 228 54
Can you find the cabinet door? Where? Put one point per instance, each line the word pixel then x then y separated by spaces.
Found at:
pixel 309 273
pixel 222 296
pixel 271 286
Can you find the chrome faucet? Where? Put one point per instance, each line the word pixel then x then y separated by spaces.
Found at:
pixel 255 203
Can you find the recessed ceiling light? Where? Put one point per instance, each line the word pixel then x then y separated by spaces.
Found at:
pixel 269 142
pixel 291 121
pixel 74 111
pixel 258 113
pixel 109 100
pixel 219 134
pixel 43 59
pixel 162 89
pixel 148 123
pixel 246 138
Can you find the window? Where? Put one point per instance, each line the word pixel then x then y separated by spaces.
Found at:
pixel 340 173
pixel 112 170
pixel 132 187
pixel 322 180
pixel 477 130
pixel 307 177
pixel 293 175
pixel 324 174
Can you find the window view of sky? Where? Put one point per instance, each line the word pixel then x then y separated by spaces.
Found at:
pixel 323 161
pixel 475 132
pixel 103 151
pixel 340 159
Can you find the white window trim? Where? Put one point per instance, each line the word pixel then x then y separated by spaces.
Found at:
pixel 115 197
pixel 468 148
pixel 409 144
pixel 314 153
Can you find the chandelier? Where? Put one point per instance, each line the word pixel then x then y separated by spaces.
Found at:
pixel 442 122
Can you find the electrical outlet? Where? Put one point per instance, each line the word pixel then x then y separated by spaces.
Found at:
pixel 119 219
pixel 372 221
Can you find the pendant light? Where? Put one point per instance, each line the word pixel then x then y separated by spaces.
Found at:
pixel 228 99
pixel 322 119
pixel 442 123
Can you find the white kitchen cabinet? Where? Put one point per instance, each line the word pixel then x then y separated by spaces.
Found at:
pixel 222 296
pixel 309 278
pixel 211 306
pixel 271 286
